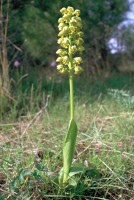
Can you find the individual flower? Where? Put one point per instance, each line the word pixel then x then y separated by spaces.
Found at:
pixel 79 42
pixel 73 49
pixel 78 70
pixel 79 34
pixel 61 20
pixel 65 60
pixel 63 10
pixel 81 49
pixel 73 22
pixel 59 59
pixel 66 30
pixel 64 43
pixel 60 67
pixel 61 52
pixel 77 12
pixel 66 18
pixel 72 29
pixel 16 63
pixel 77 61
pixel 60 26
pixel 70 9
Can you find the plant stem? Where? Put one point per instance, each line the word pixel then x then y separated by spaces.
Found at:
pixel 71 84
pixel 71 97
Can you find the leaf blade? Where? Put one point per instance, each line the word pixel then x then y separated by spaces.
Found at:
pixel 68 149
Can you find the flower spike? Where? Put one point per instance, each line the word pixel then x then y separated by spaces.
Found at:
pixel 70 40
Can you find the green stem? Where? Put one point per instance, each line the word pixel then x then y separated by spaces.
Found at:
pixel 71 84
pixel 71 96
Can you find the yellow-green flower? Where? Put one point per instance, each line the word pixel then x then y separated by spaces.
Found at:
pixel 79 34
pixel 59 59
pixel 61 20
pixel 77 12
pixel 70 9
pixel 65 60
pixel 77 61
pixel 63 10
pixel 61 52
pixel 78 70
pixel 73 49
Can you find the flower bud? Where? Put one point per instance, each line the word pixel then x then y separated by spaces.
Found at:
pixel 65 60
pixel 77 12
pixel 78 19
pixel 81 49
pixel 73 22
pixel 66 30
pixel 70 9
pixel 59 59
pixel 79 25
pixel 60 67
pixel 66 18
pixel 65 43
pixel 63 10
pixel 72 29
pixel 79 41
pixel 60 26
pixel 61 52
pixel 77 60
pixel 80 34
pixel 60 34
pixel 63 71
pixel 78 70
pixel 61 20
pixel 59 40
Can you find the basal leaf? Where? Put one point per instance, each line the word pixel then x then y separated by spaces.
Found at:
pixel 68 149
pixel 76 169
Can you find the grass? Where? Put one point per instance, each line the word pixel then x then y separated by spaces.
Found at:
pixel 33 128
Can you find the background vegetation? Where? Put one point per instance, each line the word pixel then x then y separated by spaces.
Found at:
pixel 34 102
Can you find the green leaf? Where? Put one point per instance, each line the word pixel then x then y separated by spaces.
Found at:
pixel 76 169
pixel 73 182
pixel 68 149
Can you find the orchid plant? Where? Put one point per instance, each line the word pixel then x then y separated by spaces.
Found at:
pixel 71 42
